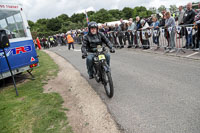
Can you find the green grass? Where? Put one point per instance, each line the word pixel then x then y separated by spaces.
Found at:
pixel 34 111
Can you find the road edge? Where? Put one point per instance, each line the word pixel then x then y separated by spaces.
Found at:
pixel 76 96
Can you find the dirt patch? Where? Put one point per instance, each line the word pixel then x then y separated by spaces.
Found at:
pixel 87 113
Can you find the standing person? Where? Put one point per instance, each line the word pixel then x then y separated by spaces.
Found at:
pixel 110 34
pixel 44 42
pixel 181 14
pixel 115 36
pixel 131 29
pixel 156 32
pixel 85 31
pixel 138 26
pixel 35 43
pixel 180 20
pixel 38 43
pixel 121 34
pixel 101 29
pixel 162 20
pixel 70 41
pixel 162 24
pixel 170 23
pixel 197 21
pixel 187 20
pixel 144 39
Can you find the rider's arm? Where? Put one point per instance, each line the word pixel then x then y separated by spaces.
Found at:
pixel 85 44
pixel 106 41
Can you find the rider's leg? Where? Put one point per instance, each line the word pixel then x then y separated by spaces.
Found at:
pixel 89 63
pixel 108 59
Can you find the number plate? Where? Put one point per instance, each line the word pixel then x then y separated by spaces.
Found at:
pixel 102 57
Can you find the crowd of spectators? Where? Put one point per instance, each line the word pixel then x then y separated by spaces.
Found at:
pixel 139 33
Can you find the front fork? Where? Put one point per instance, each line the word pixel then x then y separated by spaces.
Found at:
pixel 104 70
pixel 100 71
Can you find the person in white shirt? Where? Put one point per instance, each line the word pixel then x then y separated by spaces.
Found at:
pixel 144 38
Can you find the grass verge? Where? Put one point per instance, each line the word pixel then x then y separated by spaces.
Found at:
pixel 34 111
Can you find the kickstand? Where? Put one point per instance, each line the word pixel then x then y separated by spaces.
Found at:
pixel 29 71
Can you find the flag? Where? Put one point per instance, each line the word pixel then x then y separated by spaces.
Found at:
pixel 143 33
pixel 138 32
pixel 178 29
pixel 149 32
pixel 133 32
pixel 189 30
pixel 170 30
pixel 155 32
pixel 163 31
pixel 87 17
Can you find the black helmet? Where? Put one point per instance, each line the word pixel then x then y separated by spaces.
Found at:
pixel 92 25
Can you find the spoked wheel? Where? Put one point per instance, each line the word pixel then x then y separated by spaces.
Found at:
pixel 96 75
pixel 108 84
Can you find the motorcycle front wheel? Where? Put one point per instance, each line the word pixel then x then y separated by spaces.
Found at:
pixel 108 84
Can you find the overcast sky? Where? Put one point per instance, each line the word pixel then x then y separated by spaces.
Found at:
pixel 36 9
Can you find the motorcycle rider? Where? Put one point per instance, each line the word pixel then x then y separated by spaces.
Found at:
pixel 51 40
pixel 90 42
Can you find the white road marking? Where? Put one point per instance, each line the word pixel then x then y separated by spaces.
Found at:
pixel 192 54
pixel 77 50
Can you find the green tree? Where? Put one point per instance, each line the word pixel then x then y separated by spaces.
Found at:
pixel 161 8
pixel 173 8
pixel 153 10
pixel 54 24
pixel 140 11
pixel 116 14
pixel 63 17
pixel 31 24
pixel 75 18
pixel 102 16
pixel 127 12
pixel 64 23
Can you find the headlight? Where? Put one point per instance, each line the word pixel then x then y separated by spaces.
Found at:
pixel 99 48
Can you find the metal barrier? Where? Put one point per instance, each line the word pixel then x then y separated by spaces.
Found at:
pixel 177 38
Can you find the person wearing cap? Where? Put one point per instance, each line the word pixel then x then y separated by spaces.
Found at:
pixel 90 43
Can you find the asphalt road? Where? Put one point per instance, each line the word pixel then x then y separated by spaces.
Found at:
pixel 153 93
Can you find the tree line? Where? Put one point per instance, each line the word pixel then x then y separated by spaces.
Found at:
pixel 64 23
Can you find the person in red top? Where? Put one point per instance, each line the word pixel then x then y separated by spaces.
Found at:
pixel 70 41
pixel 38 43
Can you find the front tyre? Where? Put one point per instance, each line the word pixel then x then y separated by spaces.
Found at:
pixel 108 84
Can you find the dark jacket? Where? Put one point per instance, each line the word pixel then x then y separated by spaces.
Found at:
pixel 102 30
pixel 122 26
pixel 91 41
pixel 162 22
pixel 189 16
pixel 121 29
pixel 139 26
